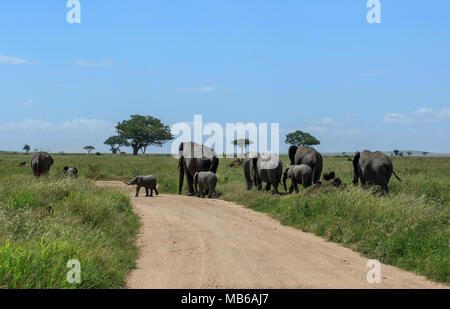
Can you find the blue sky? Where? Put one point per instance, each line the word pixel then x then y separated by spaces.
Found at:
pixel 316 66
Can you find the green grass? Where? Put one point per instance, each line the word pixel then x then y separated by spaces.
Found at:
pixel 93 225
pixel 409 228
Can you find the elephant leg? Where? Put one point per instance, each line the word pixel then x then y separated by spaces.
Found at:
pixel 146 191
pixel 151 192
pixel 138 188
pixel 210 193
pixel 156 191
pixel 291 189
pixel 202 191
pixel 274 182
pixel 294 181
pixel 267 186
pixel 190 181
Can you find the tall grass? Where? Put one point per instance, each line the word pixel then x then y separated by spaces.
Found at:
pixel 47 222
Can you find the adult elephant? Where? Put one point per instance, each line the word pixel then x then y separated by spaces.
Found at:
pixel 195 158
pixel 269 169
pixel 41 164
pixel 309 156
pixel 250 170
pixel 373 168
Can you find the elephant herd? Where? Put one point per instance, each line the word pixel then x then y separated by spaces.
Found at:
pixel 201 162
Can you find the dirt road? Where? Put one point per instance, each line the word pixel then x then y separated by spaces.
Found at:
pixel 188 242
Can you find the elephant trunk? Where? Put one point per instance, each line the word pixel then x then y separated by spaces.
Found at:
pixel 180 182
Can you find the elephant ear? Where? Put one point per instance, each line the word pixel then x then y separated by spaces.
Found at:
pixel 355 164
pixel 292 151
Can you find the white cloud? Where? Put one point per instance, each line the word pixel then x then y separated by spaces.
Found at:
pixel 197 90
pixel 30 103
pixel 328 120
pixel 102 63
pixel 429 112
pixel 12 60
pixel 77 124
pixel 397 118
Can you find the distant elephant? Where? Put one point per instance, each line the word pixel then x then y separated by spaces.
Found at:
pixel 299 174
pixel 250 171
pixel 205 181
pixel 373 168
pixel 148 182
pixel 309 156
pixel 195 158
pixel 269 169
pixel 71 172
pixel 41 164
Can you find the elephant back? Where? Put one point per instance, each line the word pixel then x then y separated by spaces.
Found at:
pixel 191 150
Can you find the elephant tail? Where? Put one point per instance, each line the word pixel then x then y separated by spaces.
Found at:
pixel 292 151
pixel 392 170
pixel 355 167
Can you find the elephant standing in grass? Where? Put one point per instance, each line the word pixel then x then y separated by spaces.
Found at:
pixel 206 181
pixel 41 164
pixel 309 156
pixel 148 182
pixel 71 172
pixel 195 158
pixel 299 174
pixel 373 168
pixel 250 170
pixel 269 169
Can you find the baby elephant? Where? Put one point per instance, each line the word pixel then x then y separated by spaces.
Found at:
pixel 299 174
pixel 71 172
pixel 207 181
pixel 148 182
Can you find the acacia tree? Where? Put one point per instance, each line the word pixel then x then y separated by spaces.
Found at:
pixel 89 149
pixel 299 138
pixel 396 152
pixel 242 143
pixel 143 131
pixel 26 148
pixel 115 142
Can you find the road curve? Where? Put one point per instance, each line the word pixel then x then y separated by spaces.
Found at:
pixel 187 242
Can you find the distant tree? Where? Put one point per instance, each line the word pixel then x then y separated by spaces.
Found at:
pixel 299 138
pixel 143 131
pixel 425 153
pixel 401 154
pixel 242 143
pixel 89 149
pixel 36 150
pixel 26 148
pixel 115 142
pixel 344 153
pixel 396 152
pixel 409 153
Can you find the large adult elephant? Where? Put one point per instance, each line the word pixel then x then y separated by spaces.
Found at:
pixel 309 156
pixel 41 164
pixel 269 169
pixel 195 158
pixel 373 168
pixel 250 170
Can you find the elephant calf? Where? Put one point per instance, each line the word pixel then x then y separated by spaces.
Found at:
pixel 299 174
pixel 206 181
pixel 71 172
pixel 148 182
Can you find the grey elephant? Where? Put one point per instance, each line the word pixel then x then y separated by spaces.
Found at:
pixel 148 182
pixel 41 164
pixel 71 172
pixel 250 170
pixel 299 174
pixel 373 168
pixel 309 156
pixel 269 169
pixel 205 181
pixel 195 158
